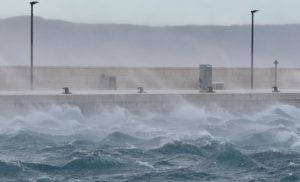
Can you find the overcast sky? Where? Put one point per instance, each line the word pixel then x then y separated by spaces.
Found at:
pixel 159 12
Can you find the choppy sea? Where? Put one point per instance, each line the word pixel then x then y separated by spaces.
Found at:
pixel 190 144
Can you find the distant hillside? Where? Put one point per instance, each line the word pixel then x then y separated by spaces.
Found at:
pixel 65 43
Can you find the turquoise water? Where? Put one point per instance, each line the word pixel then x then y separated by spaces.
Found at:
pixel 59 143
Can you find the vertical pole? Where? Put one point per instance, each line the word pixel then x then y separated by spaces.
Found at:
pixel 31 45
pixel 276 69
pixel 275 88
pixel 31 50
pixel 252 47
pixel 275 75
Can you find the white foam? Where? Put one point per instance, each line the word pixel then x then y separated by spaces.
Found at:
pixel 184 122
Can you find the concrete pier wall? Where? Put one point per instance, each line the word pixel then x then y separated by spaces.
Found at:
pixel 110 78
pixel 238 102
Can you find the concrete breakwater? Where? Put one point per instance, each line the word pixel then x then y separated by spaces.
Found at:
pixel 123 78
pixel 89 102
pixel 96 88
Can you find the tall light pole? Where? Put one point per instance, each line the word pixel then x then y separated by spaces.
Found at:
pixel 252 46
pixel 31 45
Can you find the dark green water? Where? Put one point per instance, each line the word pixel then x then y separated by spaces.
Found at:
pixel 59 143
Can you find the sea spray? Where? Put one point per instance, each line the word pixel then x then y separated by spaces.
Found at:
pixel 60 143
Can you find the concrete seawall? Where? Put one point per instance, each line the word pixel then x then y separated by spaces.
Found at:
pixel 166 88
pixel 93 102
pixel 122 78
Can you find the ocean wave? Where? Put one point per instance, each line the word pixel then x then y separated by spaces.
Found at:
pixel 175 175
pixel 186 144
pixel 119 139
pixel 179 147
pixel 230 158
pixel 92 162
pixel 10 169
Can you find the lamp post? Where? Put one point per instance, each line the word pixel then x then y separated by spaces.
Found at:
pixel 252 46
pixel 31 45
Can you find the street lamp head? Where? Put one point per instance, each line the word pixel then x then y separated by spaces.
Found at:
pixel 33 2
pixel 254 11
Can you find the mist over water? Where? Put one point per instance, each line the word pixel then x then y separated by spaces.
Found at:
pixel 60 143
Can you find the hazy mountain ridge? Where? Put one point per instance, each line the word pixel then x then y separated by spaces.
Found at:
pixel 65 43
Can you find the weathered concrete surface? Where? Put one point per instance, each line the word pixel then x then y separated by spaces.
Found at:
pixel 95 78
pixel 239 102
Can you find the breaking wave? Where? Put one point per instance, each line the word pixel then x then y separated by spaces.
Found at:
pixel 60 143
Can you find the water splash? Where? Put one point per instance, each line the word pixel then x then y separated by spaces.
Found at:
pixel 60 143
